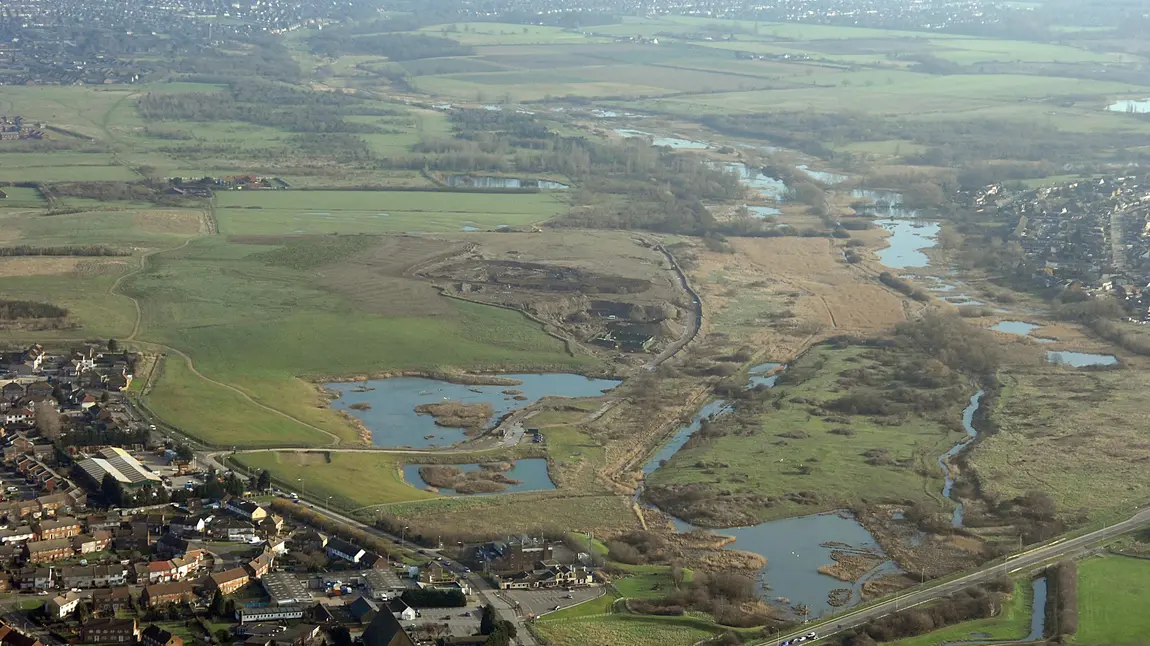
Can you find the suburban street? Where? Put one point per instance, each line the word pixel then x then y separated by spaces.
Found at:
pixel 1052 550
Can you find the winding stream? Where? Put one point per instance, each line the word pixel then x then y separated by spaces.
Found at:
pixel 944 459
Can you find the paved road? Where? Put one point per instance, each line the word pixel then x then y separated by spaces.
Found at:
pixel 1034 556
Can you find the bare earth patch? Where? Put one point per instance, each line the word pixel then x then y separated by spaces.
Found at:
pixel 38 266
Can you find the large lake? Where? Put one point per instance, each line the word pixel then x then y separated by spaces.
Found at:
pixel 394 422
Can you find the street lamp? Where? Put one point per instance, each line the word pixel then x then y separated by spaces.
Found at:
pixel 302 487
pixel 403 536
pixel 327 504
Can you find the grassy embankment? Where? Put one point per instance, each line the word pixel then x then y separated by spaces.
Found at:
pixel 1012 622
pixel 350 479
pixel 767 457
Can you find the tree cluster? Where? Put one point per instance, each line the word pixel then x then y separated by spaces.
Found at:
pixel 15 310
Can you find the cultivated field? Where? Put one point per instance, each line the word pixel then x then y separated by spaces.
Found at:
pixel 324 212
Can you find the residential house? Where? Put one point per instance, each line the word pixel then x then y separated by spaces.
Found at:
pixel 109 631
pixel 108 601
pixel 160 594
pixel 229 581
pixel 246 509
pixel 261 564
pixel 309 539
pixel 63 527
pixel 162 572
pixel 63 605
pixel 17 534
pixel 48 551
pixel 97 541
pixel 401 610
pixel 155 636
pixel 385 630
pixel 339 548
pixel 434 574
pixel 232 529
pixel 272 525
pixel 93 576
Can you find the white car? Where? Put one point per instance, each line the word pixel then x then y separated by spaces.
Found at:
pixel 812 635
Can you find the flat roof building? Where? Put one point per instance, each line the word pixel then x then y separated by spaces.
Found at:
pixel 126 469
pixel 285 589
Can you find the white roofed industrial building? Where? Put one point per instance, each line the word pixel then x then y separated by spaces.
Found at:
pixel 123 467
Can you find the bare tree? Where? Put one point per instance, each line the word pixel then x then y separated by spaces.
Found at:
pixel 676 576
pixel 48 420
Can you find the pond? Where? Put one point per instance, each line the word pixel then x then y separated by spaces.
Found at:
pixel 1080 359
pixel 488 181
pixel 764 374
pixel 658 140
pixel 530 472
pixel 763 212
pixel 794 547
pixel 908 239
pixel 1130 106
pixel 766 186
pixel 885 204
pixel 1019 328
pixel 393 421
pixel 823 176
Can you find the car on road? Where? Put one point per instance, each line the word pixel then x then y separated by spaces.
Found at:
pixel 568 596
pixel 555 608
pixel 812 635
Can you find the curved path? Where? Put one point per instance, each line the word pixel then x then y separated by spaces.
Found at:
pixel 115 291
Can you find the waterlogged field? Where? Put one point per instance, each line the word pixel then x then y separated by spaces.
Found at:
pixel 1078 435
pixel 323 212
pixel 764 457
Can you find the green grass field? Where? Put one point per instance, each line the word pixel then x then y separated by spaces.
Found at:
pixel 633 630
pixel 259 327
pixel 1113 594
pixel 770 461
pixel 320 212
pixel 647 581
pixel 351 480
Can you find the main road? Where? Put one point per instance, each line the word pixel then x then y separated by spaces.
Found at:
pixel 1033 556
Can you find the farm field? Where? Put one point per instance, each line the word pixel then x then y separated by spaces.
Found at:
pixel 762 456
pixel 322 212
pixel 1044 415
pixel 350 480
pixel 1113 592
pixel 1012 622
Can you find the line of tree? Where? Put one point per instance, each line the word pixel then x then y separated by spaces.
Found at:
pixel 977 602
pixel 1062 601
pixel 14 310
pixel 72 250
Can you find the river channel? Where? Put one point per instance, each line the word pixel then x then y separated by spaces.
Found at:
pixel 387 406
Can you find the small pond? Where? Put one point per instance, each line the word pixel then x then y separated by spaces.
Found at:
pixel 764 374
pixel 1020 328
pixel 1130 106
pixel 886 204
pixel 908 239
pixel 822 175
pixel 658 140
pixel 763 212
pixel 1080 359
pixel 530 472
pixel 394 422
pixel 766 186
pixel 795 548
pixel 488 181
